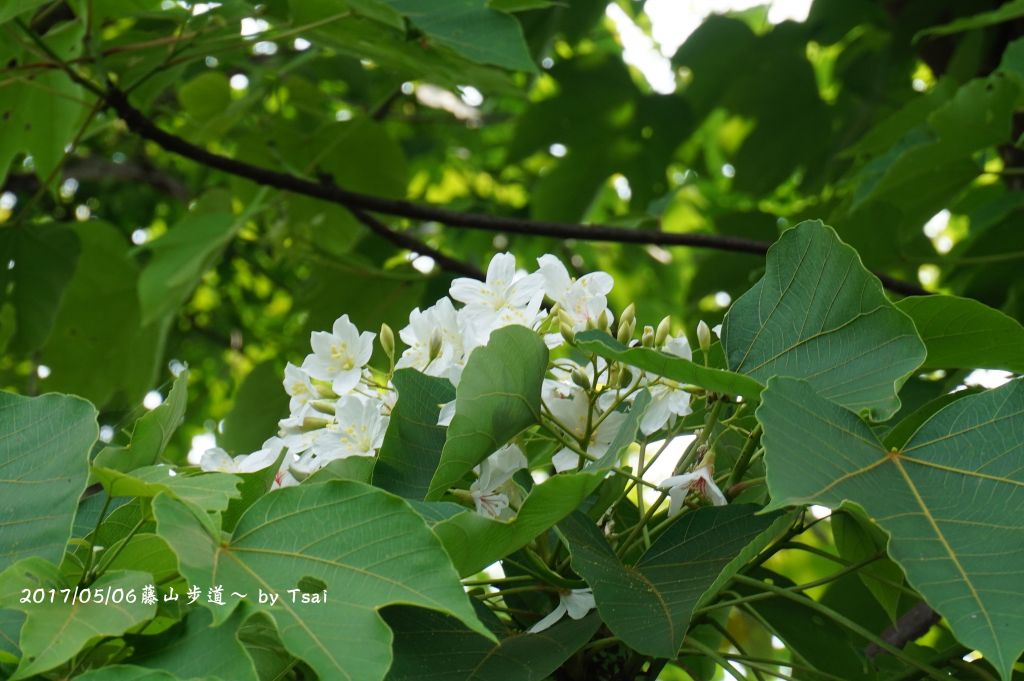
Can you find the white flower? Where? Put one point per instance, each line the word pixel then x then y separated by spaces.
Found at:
pixel 503 298
pixel 358 430
pixel 439 320
pixel 339 356
pixel 570 407
pixel 447 413
pixel 298 384
pixel 583 299
pixel 699 481
pixel 668 399
pixel 576 603
pixel 492 489
pixel 218 460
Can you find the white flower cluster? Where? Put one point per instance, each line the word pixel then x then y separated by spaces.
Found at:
pixel 340 407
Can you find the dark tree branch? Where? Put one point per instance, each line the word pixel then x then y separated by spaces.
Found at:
pixel 98 169
pixel 359 204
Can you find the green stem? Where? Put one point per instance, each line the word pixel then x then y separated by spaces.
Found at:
pixel 744 458
pixel 718 659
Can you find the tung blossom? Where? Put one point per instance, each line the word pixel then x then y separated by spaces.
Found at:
pixel 493 490
pixel 583 299
pixel 668 399
pixel 575 603
pixel 699 481
pixel 339 356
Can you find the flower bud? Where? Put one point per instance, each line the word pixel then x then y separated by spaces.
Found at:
pixel 648 337
pixel 567 333
pixel 434 350
pixel 661 335
pixel 314 423
pixel 387 341
pixel 564 319
pixel 580 378
pixel 604 322
pixel 703 336
pixel 625 332
pixel 625 377
pixel 628 315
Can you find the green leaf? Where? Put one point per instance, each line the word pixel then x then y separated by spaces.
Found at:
pixel 498 397
pixel 856 540
pixel 99 325
pixel 128 672
pixel 948 499
pixel 902 431
pixel 194 647
pixel 152 432
pixel 1006 12
pixel 203 491
pixel 413 443
pixel 10 624
pixel 474 542
pixel 13 8
pixel 205 96
pixel 818 314
pixel 426 640
pixel 669 366
pixel 259 404
pixel 649 605
pixel 44 466
pixel 961 333
pixel 472 29
pixel 44 258
pixel 179 259
pixel 55 631
pixel 373 551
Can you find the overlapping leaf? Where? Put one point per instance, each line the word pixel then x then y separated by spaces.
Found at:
pixel 951 498
pixel 44 465
pixel 649 605
pixel 498 396
pixel 429 642
pixel 818 314
pixel 372 551
pixel 55 630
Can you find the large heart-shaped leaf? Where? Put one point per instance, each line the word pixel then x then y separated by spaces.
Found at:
pixel 371 550
pixel 649 605
pixel 498 396
pixel 818 314
pixel 951 499
pixel 44 465
pixel 59 626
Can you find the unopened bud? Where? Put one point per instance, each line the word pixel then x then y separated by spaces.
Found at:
pixel 661 335
pixel 567 333
pixel 564 319
pixel 604 322
pixel 434 350
pixel 625 333
pixel 625 377
pixel 314 423
pixel 648 337
pixel 703 336
pixel 387 341
pixel 580 378
pixel 628 315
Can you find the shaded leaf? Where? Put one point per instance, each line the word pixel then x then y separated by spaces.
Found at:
pixel 649 605
pixel 426 640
